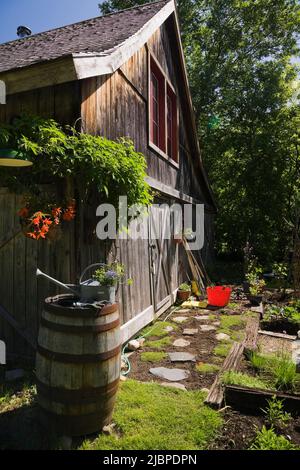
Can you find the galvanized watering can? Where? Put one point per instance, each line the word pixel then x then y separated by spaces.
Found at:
pixel 89 290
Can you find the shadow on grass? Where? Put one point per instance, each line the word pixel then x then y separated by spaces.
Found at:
pixel 20 426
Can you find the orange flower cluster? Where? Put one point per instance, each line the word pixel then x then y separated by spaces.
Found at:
pixel 40 223
pixel 40 226
pixel 70 212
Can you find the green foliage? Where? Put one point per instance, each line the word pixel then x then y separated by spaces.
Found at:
pixel 110 274
pixel 185 287
pixel 222 349
pixel 244 380
pixel 158 329
pixel 284 372
pixel 255 281
pixel 275 415
pixel 229 324
pixel 260 362
pixel 151 356
pixel 159 343
pixel 266 439
pixel 286 312
pixel 280 369
pixel 205 368
pixel 151 417
pixel 246 118
pixel 96 163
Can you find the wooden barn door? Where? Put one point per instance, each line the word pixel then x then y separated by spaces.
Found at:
pixel 164 256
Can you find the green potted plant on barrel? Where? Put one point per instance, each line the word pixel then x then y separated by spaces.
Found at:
pixel 109 276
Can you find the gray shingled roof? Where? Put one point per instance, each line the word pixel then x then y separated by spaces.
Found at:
pixel 96 35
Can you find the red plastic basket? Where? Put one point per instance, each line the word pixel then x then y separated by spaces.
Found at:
pixel 218 296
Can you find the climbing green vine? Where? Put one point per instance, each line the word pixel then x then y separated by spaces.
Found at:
pixel 96 163
pixel 94 167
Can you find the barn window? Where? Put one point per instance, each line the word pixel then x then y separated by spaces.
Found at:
pixel 163 125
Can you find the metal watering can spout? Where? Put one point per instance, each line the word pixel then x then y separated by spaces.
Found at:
pixel 58 283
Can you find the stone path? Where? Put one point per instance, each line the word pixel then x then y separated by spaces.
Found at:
pixel 207 327
pixel 202 317
pixel 174 375
pixel 180 319
pixel 190 331
pixel 181 343
pixel 181 357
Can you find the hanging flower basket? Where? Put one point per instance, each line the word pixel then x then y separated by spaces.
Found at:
pixel 46 223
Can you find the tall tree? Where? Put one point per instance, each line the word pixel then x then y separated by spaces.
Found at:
pixel 238 55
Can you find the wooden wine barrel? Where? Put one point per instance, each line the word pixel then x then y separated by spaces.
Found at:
pixel 77 365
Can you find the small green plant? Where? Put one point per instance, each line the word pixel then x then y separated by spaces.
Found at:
pixel 185 287
pixel 111 274
pixel 267 439
pixel 153 356
pixel 244 380
pixel 205 368
pixel 284 372
pixel 259 362
pixel 256 283
pixel 275 415
pixel 287 312
pixel 280 271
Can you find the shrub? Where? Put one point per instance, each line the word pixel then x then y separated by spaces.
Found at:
pixel 260 362
pixel 284 372
pixel 266 439
pixel 275 415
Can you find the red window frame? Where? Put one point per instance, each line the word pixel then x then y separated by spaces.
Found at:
pixel 157 107
pixel 172 126
pixel 163 113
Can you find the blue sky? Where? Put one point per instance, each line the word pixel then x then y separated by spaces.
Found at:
pixel 41 15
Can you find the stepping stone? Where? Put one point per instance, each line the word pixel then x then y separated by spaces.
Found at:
pixel 190 331
pixel 207 327
pixel 202 317
pixel 216 323
pixel 173 385
pixel 183 310
pixel 181 343
pixel 181 357
pixel 174 375
pixel 180 319
pixel 205 312
pixel 222 337
pixel 169 329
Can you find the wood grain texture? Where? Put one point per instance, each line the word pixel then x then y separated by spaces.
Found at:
pixel 232 362
pixel 78 366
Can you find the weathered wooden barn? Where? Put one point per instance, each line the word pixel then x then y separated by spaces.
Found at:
pixel 118 75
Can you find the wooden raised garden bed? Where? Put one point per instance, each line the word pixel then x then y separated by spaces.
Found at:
pixel 253 400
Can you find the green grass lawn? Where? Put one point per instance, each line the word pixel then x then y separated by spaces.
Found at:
pixel 151 417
